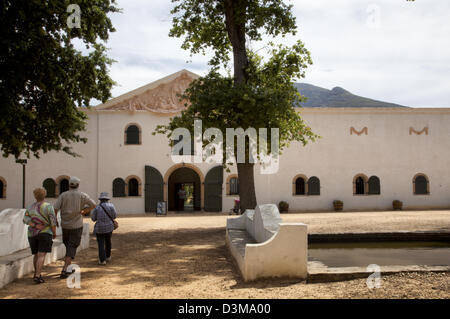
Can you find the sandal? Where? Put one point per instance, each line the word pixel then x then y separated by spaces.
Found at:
pixel 65 274
pixel 38 280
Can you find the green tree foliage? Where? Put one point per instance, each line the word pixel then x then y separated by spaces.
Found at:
pixel 220 24
pixel 260 94
pixel 44 80
pixel 265 101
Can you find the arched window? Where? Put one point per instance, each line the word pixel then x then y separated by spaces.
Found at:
pixel 314 186
pixel 133 187
pixel 234 186
pixel 2 188
pixel 63 185
pixel 132 135
pixel 374 185
pixel 300 186
pixel 119 187
pixel 50 186
pixel 421 185
pixel 359 186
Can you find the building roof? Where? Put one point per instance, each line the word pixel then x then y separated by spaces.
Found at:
pixel 161 96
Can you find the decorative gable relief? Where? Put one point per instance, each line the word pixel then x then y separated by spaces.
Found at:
pixel 161 99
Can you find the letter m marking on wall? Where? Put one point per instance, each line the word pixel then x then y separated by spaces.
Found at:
pixel 365 130
pixel 425 129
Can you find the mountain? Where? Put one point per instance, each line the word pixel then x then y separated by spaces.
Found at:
pixel 336 97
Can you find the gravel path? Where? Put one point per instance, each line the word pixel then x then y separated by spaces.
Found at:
pixel 184 256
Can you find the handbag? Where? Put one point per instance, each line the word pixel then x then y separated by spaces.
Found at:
pixel 116 224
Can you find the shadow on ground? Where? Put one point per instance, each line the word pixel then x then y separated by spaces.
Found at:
pixel 157 258
pixel 195 263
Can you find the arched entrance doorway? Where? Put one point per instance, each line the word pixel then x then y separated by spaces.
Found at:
pixel 184 190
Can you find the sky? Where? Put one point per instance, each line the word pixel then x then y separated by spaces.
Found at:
pixel 390 50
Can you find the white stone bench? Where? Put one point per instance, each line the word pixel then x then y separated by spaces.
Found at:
pixel 15 255
pixel 264 246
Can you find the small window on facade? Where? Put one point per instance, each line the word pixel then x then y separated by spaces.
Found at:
pixel 132 135
pixel 313 186
pixel 63 185
pixel 119 188
pixel 133 187
pixel 2 192
pixel 374 185
pixel 421 185
pixel 234 186
pixel 300 186
pixel 50 186
pixel 359 186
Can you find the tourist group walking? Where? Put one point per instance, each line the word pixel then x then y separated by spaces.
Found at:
pixel 72 205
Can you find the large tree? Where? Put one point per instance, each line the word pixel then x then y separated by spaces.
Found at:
pixel 260 94
pixel 44 79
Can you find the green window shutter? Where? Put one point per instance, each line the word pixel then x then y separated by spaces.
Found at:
pixel 234 186
pixel 132 135
pixel 313 186
pixel 374 185
pixel 421 185
pixel 154 188
pixel 118 187
pixel 50 186
pixel 213 189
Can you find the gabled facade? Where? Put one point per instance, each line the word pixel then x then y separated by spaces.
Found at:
pixel 367 157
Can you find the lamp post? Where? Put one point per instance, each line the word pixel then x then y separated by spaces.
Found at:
pixel 23 162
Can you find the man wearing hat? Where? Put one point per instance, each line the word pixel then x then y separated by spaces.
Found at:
pixel 73 205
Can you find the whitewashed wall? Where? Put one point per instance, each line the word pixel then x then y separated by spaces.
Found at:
pixel 388 151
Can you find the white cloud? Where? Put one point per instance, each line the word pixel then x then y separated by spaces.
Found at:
pixel 405 60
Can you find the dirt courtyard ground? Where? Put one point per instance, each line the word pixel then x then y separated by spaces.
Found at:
pixel 184 256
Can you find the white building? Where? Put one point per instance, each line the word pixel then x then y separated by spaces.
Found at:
pixel 367 157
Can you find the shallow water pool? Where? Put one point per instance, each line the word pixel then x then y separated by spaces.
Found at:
pixel 380 253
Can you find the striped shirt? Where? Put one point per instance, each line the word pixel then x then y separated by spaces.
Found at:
pixel 71 203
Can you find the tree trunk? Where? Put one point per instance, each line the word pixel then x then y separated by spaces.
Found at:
pixel 236 34
pixel 246 185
